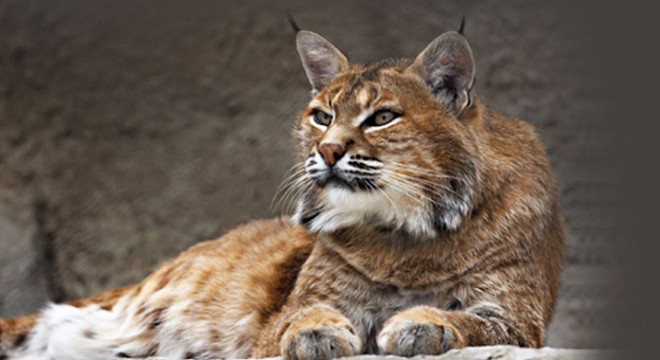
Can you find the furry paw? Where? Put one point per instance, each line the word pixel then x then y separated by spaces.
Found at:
pixel 418 331
pixel 320 334
pixel 324 342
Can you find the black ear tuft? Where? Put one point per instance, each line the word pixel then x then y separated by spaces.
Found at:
pixel 293 23
pixel 461 28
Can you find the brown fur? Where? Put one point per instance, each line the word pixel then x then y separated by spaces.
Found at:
pixel 278 288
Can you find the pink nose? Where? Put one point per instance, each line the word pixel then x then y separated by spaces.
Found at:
pixel 331 152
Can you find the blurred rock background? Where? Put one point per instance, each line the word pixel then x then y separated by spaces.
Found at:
pixel 131 130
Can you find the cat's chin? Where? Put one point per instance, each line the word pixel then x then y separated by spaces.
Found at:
pixel 345 207
pixel 336 183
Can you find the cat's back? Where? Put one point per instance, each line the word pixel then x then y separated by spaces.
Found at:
pixel 512 141
pixel 277 236
pixel 514 160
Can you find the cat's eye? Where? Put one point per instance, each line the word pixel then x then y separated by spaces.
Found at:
pixel 381 117
pixel 322 118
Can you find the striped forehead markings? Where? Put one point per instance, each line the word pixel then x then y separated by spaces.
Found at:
pixel 370 74
pixel 363 97
pixel 335 99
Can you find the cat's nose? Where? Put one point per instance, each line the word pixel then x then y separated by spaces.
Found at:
pixel 331 152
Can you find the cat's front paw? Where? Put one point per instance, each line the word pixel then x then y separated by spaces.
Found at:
pixel 418 331
pixel 323 342
pixel 319 335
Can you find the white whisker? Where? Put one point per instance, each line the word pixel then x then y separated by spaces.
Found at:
pixel 289 184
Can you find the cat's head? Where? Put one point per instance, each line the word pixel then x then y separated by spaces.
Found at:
pixel 387 144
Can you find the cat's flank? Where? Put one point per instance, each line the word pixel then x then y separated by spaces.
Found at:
pixel 425 222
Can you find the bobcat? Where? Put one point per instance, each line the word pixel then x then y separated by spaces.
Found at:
pixel 425 222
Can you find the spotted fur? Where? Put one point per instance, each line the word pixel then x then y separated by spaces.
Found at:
pixel 424 222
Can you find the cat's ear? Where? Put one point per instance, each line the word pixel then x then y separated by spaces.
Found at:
pixel 321 60
pixel 447 67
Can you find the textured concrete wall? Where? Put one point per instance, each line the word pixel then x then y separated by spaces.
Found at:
pixel 130 130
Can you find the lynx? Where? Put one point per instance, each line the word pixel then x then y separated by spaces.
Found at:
pixel 425 222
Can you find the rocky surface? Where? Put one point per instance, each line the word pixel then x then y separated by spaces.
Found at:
pixel 130 130
pixel 507 353
pixel 496 353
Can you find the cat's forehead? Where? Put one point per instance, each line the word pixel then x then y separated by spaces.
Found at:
pixel 363 85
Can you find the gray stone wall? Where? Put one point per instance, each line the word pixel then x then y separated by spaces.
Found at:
pixel 130 130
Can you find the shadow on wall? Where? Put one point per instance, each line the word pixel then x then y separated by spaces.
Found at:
pixel 129 131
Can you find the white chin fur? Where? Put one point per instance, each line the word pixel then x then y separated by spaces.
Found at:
pixel 346 208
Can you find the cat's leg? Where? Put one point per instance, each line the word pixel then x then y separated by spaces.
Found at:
pixel 431 331
pixel 318 332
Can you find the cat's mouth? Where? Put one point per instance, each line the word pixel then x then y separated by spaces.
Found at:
pixel 336 178
pixel 351 172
